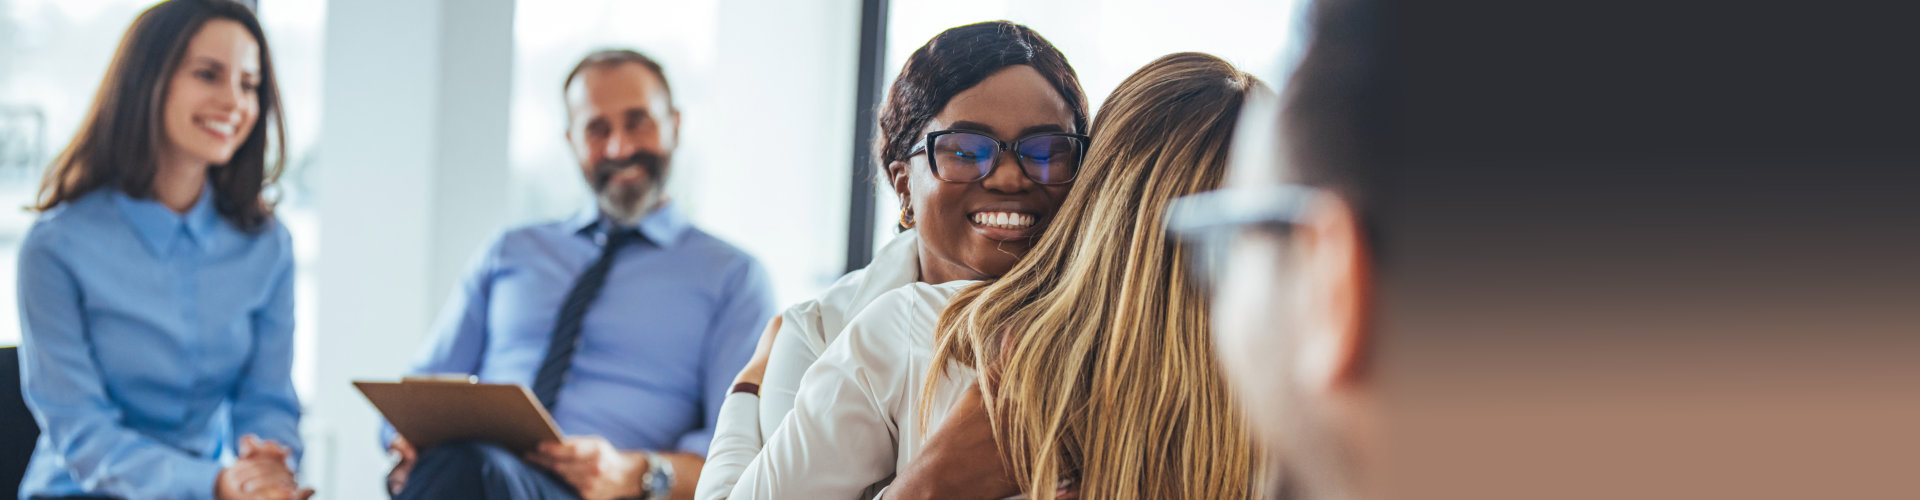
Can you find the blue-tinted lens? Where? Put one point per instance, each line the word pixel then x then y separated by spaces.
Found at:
pixel 1050 159
pixel 963 157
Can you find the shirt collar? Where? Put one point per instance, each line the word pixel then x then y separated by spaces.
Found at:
pixel 157 224
pixel 894 266
pixel 663 227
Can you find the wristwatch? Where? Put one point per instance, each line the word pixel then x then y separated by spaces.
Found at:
pixel 657 483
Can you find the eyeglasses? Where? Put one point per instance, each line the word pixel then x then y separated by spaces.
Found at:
pixel 967 156
pixel 1209 222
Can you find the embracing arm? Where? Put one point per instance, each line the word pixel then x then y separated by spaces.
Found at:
pixel 840 437
pixel 737 436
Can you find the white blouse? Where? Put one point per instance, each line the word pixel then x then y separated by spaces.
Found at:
pixel 855 419
pixel 806 329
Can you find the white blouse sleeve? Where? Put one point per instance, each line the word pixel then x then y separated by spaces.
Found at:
pixel 745 419
pixel 840 437
pixel 796 349
pixel 736 440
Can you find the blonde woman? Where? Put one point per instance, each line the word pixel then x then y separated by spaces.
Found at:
pixel 1098 338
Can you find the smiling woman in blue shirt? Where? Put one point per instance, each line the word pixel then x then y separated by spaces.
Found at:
pixel 156 287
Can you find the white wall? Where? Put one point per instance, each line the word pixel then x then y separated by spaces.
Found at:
pixel 776 138
pixel 412 168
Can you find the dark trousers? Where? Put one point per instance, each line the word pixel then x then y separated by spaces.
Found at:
pixel 474 470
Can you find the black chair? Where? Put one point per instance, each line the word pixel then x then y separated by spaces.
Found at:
pixel 18 431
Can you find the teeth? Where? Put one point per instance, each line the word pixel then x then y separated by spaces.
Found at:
pixel 1003 219
pixel 221 127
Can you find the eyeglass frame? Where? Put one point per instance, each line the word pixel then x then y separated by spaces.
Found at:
pixel 1086 143
pixel 1202 219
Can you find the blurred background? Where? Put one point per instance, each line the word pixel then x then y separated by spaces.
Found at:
pixel 418 128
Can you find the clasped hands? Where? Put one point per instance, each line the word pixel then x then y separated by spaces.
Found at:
pixel 261 473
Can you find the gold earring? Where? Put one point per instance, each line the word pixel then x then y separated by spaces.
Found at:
pixel 906 220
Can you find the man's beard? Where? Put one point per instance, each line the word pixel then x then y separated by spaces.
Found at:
pixel 627 203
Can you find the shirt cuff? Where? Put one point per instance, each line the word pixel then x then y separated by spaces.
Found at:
pixel 740 419
pixel 736 439
pixel 195 479
pixel 387 433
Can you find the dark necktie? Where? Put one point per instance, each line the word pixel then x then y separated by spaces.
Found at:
pixel 566 329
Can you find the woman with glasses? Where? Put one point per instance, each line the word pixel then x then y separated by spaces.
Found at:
pixel 156 286
pixel 1092 354
pixel 981 139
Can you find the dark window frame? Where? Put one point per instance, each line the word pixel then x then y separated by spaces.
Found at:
pixel 871 83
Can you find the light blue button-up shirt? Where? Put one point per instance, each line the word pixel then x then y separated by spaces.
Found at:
pixel 150 339
pixel 678 317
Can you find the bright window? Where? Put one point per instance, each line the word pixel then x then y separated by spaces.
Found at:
pixel 52 56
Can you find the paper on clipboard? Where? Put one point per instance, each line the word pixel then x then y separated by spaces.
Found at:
pixel 430 411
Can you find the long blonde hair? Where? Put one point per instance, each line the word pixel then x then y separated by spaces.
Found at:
pixel 1098 342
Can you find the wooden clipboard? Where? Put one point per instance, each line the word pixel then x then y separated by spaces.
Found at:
pixel 430 411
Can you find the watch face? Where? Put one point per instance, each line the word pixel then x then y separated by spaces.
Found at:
pixel 659 477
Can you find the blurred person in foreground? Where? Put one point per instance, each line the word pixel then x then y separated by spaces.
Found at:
pixel 1501 251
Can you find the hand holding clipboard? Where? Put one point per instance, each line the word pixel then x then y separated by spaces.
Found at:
pixel 430 411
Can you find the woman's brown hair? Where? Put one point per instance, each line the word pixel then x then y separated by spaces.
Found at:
pixel 1098 341
pixel 122 137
